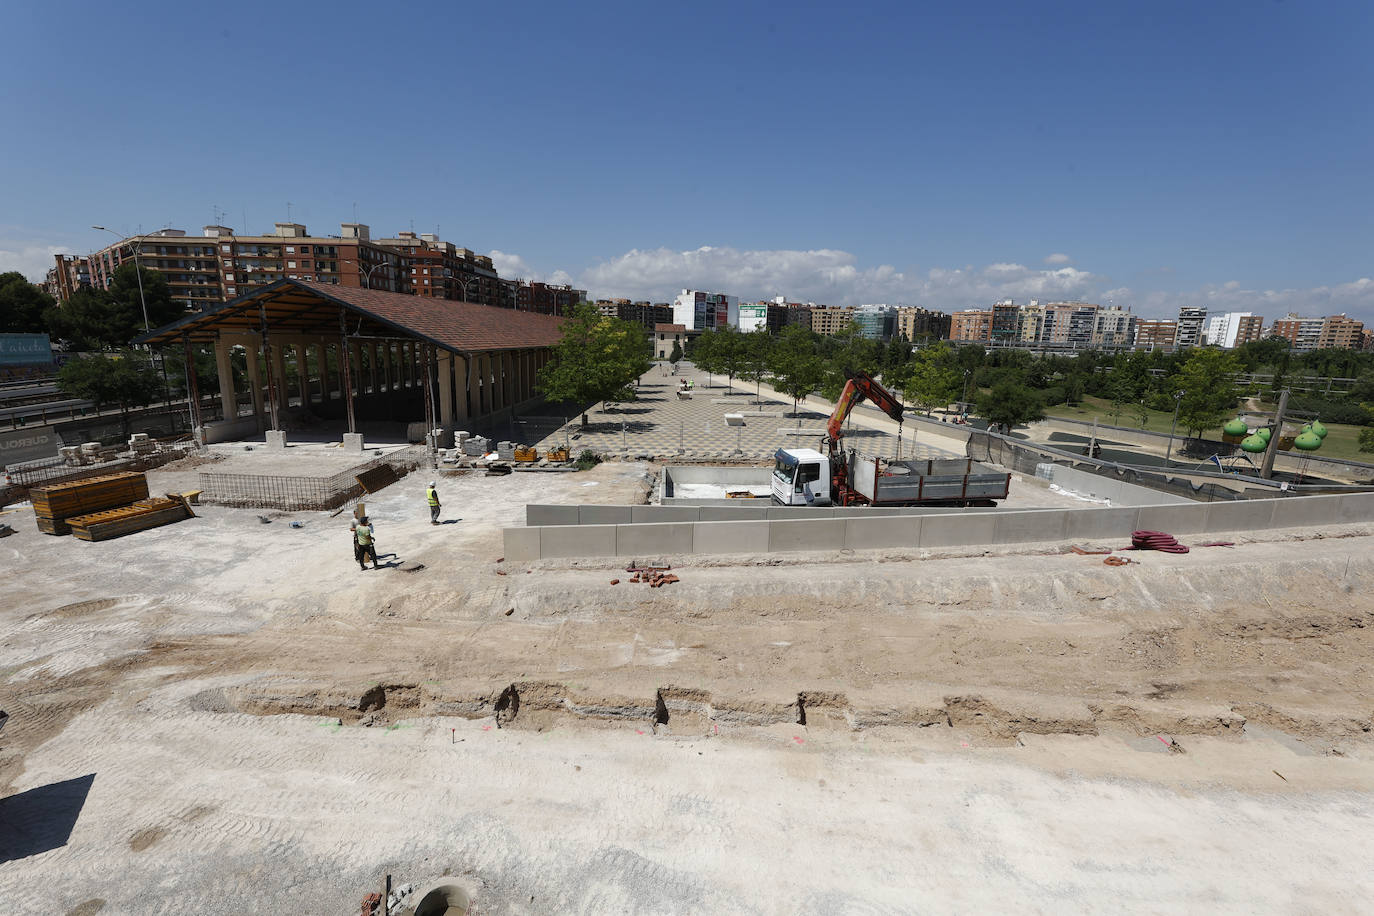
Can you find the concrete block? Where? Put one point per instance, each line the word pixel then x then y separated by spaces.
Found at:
pixel 1173 519
pixel 806 534
pixel 792 513
pixel 1097 524
pixel 550 515
pixel 1246 515
pixel 730 537
pixel 522 544
pixel 1357 507
pixel 659 514
pixel 276 438
pixel 577 541
pixel 353 442
pixel 604 515
pixel 654 540
pixel 957 530
pixel 1299 511
pixel 1028 527
pixel 746 511
pixel 882 531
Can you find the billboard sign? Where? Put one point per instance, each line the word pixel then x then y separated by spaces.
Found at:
pixel 752 317
pixel 25 349
pixel 27 444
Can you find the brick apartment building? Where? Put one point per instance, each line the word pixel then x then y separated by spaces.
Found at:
pixel 972 325
pixel 547 298
pixel 1156 334
pixel 1301 333
pixel 1341 333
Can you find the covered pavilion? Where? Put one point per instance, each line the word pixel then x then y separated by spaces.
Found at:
pixel 373 353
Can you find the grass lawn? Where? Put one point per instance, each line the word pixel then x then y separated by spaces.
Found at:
pixel 1341 439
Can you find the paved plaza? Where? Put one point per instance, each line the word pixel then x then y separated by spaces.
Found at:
pixel 660 424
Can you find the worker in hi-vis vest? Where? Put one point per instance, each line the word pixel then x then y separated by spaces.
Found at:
pixel 432 495
pixel 366 539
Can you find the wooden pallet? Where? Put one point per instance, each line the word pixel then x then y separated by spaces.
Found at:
pixel 142 515
pixel 62 501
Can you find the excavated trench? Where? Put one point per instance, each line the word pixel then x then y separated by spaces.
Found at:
pixel 685 710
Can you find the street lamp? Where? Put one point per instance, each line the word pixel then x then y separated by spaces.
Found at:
pixel 367 271
pixel 465 281
pixel 137 272
pixel 1178 402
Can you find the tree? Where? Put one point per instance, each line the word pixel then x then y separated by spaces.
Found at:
pixel 126 378
pixel 848 351
pixel 794 368
pixel 756 349
pixel 1366 440
pixel 21 305
pixel 597 358
pixel 929 379
pixel 675 356
pixel 95 319
pixel 1008 405
pixel 1208 382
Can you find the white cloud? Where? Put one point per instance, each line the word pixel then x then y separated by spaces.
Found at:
pixel 510 265
pixel 32 261
pixel 1058 258
pixel 824 275
pixel 1355 298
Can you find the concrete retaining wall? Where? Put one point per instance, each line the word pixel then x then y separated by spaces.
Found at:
pixel 955 528
pixel 733 510
pixel 1097 486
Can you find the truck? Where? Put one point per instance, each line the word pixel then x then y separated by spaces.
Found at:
pixel 839 477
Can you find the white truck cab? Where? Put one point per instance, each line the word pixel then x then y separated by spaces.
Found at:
pixel 801 477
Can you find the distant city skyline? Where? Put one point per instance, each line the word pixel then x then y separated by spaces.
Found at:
pixel 1208 155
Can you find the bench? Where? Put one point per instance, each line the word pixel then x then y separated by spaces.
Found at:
pixel 734 419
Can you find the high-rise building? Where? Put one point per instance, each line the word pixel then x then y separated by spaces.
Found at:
pixel 1032 322
pixel 191 266
pixel 441 270
pixel 1006 322
pixel 1189 328
pixel 876 322
pixel 1341 333
pixel 1113 327
pixel 698 310
pixel 972 325
pixel 915 323
pixel 68 274
pixel 831 319
pixel 1225 330
pixel 547 298
pixel 1249 329
pixel 1303 334
pixel 1156 334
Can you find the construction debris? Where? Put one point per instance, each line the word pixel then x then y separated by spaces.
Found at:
pixel 1155 540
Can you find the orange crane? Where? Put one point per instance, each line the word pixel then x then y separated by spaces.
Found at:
pixel 858 387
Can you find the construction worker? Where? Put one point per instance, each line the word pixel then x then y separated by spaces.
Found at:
pixel 432 495
pixel 366 539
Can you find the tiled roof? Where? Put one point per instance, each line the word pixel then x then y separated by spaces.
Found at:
pixel 670 328
pixel 464 326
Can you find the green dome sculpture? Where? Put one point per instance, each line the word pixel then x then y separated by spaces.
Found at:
pixel 1264 433
pixel 1253 444
pixel 1236 427
pixel 1308 441
pixel 1319 429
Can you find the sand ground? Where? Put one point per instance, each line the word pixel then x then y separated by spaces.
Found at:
pixel 226 715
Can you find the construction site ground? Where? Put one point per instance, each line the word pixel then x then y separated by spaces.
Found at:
pixel 225 715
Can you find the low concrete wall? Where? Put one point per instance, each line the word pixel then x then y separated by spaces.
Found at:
pixel 1097 486
pixel 955 528
pixel 230 430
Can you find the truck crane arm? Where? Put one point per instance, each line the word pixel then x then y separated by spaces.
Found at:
pixel 860 386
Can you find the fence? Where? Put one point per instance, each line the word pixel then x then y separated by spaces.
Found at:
pixel 255 491
pixel 48 471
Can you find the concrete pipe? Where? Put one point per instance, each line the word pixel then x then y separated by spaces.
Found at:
pixel 444 900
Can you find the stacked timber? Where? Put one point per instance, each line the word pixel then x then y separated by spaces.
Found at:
pixel 142 515
pixel 55 504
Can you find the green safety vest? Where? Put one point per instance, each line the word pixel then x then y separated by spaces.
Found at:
pixel 364 536
pixel 433 496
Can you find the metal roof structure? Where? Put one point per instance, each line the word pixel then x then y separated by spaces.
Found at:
pixel 312 309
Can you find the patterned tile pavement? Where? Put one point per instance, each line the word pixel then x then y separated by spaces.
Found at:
pixel 660 424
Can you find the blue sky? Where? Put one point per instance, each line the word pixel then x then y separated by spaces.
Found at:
pixel 1154 154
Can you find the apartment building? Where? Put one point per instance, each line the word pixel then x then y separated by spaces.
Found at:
pixel 1113 327
pixel 547 298
pixel 1069 324
pixel 68 274
pixel 1249 328
pixel 1005 326
pixel 437 269
pixel 971 325
pixel 1341 333
pixel 1156 334
pixel 646 314
pixel 915 323
pixel 190 265
pixel 699 310
pixel 1189 327
pixel 831 319
pixel 1303 334
pixel 1032 324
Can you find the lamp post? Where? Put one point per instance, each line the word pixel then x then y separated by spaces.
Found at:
pixel 137 273
pixel 1178 402
pixel 464 281
pixel 366 270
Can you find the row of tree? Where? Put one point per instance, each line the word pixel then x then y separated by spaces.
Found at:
pixel 92 319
